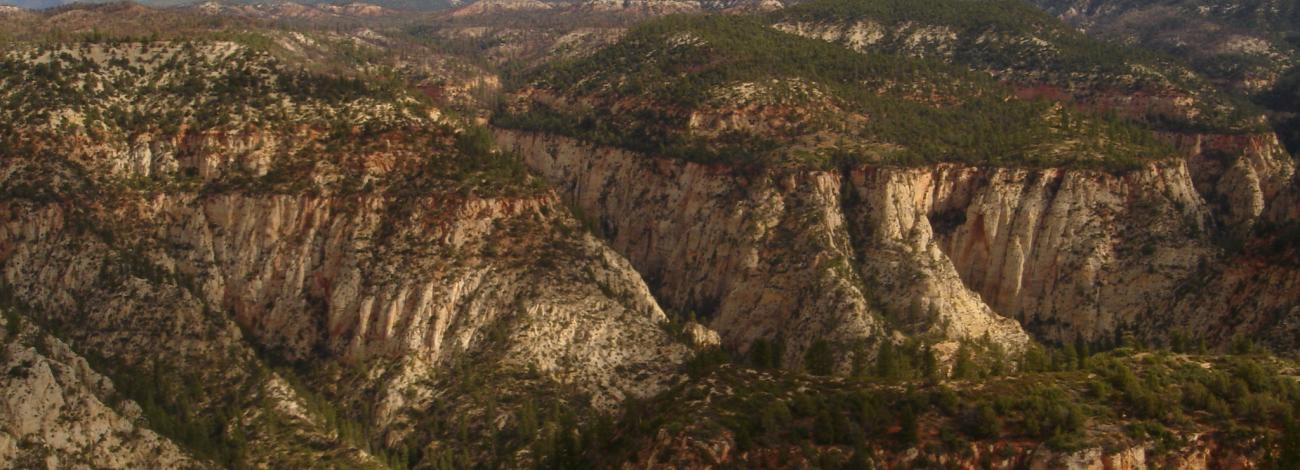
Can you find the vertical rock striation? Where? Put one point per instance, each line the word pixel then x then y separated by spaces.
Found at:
pixel 796 256
pixel 951 249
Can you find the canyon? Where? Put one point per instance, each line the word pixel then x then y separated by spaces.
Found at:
pixel 472 237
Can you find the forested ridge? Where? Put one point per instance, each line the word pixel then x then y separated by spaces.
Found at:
pixel 913 111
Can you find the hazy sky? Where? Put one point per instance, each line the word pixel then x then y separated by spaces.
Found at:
pixel 32 3
pixel 412 4
pixel 50 3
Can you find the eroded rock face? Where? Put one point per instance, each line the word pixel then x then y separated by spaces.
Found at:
pixel 423 285
pixel 116 302
pixel 902 255
pixel 781 257
pixel 1239 176
pixel 958 250
pixel 404 288
pixel 1066 252
pixel 755 260
pixel 308 275
pixel 56 412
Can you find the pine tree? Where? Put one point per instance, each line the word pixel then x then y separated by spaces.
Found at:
pixel 759 354
pixel 819 360
pixel 963 366
pixel 1084 350
pixel 887 361
pixel 1069 358
pixel 929 363
pixel 908 428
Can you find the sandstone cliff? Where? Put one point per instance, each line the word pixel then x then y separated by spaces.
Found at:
pixel 1239 176
pixel 57 412
pixel 954 249
pixel 786 256
pixel 418 284
pixel 324 285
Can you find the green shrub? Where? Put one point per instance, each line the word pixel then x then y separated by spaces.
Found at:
pixel 980 421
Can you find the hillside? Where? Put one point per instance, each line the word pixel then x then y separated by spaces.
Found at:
pixel 729 89
pixel 1118 409
pixel 1241 45
pixel 1245 48
pixel 156 192
pixel 90 102
pixel 1036 53
pixel 408 5
pixel 1218 130
pixel 339 44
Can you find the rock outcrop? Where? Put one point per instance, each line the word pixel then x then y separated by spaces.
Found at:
pixel 1239 176
pixel 1065 252
pixel 959 250
pixel 274 263
pixel 346 279
pixel 789 256
pixel 57 412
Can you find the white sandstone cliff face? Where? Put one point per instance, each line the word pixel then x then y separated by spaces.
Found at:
pixel 56 412
pixel 311 274
pixel 948 249
pixel 306 275
pixel 118 303
pixel 757 261
pixel 903 256
pixel 1240 176
pixel 1066 252
pixel 402 287
pixel 771 257
pixel 1237 174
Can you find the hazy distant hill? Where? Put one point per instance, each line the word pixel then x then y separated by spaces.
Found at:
pixel 402 4
pixel 34 4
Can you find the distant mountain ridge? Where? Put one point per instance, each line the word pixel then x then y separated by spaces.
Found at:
pixel 633 7
pixel 475 7
pixel 286 10
pixel 32 4
pixel 422 5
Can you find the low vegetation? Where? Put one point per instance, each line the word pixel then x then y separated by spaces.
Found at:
pixel 836 106
pixel 1019 43
pixel 1061 398
pixel 81 102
